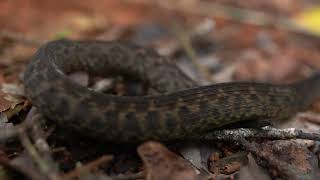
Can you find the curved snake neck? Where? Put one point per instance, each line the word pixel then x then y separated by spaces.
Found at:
pixel 181 111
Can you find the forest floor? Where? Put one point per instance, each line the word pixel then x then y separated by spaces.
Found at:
pixel 275 41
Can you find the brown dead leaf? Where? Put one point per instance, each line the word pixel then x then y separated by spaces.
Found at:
pixel 4 103
pixel 11 100
pixel 288 159
pixel 162 164
pixel 13 89
pixel 229 164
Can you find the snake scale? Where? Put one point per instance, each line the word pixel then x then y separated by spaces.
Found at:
pixel 180 109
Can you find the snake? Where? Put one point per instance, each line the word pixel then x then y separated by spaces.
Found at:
pixel 179 109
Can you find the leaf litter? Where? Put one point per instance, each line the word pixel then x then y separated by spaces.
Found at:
pixel 241 52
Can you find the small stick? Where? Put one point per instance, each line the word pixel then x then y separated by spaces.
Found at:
pixel 41 144
pixel 86 168
pixel 43 158
pixel 34 154
pixel 266 132
pixel 31 174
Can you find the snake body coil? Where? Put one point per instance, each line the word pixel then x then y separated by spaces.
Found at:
pixel 181 110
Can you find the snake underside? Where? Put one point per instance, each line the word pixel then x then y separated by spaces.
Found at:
pixel 181 110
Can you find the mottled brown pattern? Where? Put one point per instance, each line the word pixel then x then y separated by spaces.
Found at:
pixel 180 111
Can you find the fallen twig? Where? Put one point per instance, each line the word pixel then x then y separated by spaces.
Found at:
pixel 34 175
pixel 42 158
pixel 42 145
pixel 266 132
pixel 185 41
pixel 86 168
pixel 44 167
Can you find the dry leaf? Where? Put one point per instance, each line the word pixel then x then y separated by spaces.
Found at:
pixel 162 164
